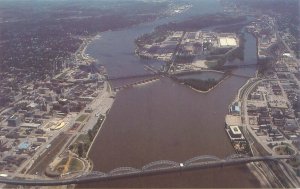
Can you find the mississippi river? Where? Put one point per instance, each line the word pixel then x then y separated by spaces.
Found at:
pixel 163 119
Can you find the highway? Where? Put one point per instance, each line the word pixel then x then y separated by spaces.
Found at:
pixel 153 168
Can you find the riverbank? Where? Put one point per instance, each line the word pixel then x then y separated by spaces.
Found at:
pixel 210 89
pixel 80 55
pixel 96 135
pixel 215 80
pixel 82 140
pixel 124 129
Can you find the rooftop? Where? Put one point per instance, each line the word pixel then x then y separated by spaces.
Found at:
pixel 228 42
pixel 24 146
pixel 235 130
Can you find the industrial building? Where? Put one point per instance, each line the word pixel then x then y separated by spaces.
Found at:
pixel 226 42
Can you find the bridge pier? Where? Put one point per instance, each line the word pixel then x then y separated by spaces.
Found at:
pixel 135 83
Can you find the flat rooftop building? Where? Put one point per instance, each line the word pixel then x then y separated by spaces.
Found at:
pixel 227 42
pixel 14 121
pixel 30 125
pixel 235 132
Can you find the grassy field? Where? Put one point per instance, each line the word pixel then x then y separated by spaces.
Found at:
pixel 284 150
pixel 211 64
pixel 83 142
pixel 82 118
pixel 69 165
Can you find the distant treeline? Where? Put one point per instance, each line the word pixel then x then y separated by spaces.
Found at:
pixel 38 39
pixel 193 24
pixel 200 22
pixel 286 13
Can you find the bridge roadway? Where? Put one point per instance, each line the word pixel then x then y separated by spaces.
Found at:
pixel 160 73
pixel 156 76
pixel 230 67
pixel 153 168
pixel 134 76
pixel 157 73
pixel 128 85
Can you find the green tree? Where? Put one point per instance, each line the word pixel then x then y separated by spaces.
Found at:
pixel 90 134
pixel 80 149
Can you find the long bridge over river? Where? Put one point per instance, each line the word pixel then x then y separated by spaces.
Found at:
pixel 160 73
pixel 148 77
pixel 153 168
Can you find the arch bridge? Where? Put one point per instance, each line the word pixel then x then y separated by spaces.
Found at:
pixel 153 168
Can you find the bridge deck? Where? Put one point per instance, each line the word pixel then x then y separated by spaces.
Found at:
pixel 155 168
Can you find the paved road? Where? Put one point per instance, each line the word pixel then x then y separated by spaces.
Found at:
pixel 100 106
pixel 43 161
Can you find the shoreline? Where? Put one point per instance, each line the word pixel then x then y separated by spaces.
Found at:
pixel 92 143
pixel 81 57
pixel 80 54
pixel 210 89
pixel 264 182
pixel 102 123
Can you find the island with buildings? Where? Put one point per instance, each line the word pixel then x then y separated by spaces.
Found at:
pixel 55 98
pixel 190 50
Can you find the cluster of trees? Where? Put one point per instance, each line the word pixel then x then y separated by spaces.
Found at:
pixel 221 59
pixel 156 36
pixel 37 39
pixel 219 51
pixel 184 58
pixel 82 145
pixel 202 85
pixel 199 22
pixel 264 66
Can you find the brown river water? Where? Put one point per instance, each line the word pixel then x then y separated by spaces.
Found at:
pixel 164 120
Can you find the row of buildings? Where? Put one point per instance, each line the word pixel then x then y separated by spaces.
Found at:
pixel 42 110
